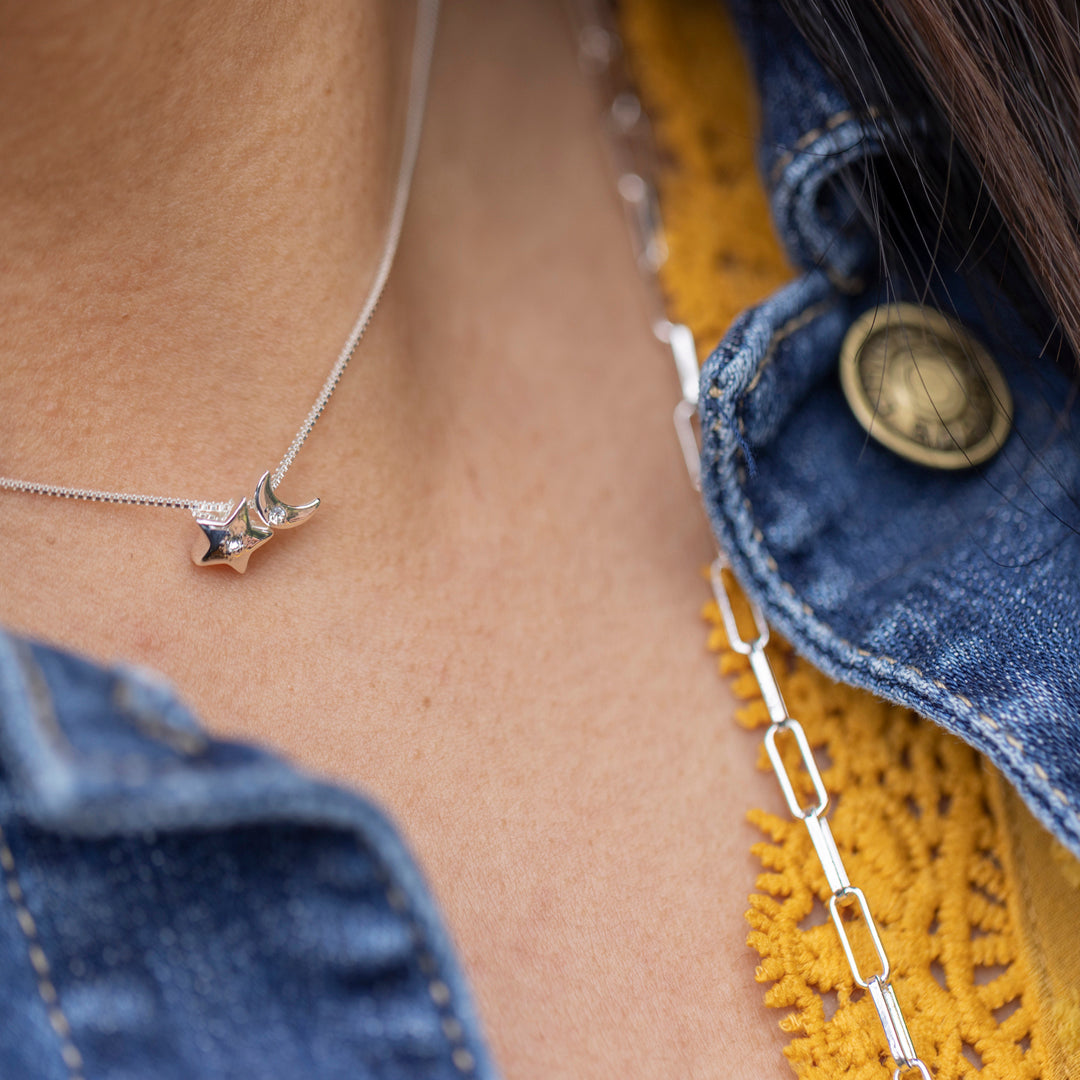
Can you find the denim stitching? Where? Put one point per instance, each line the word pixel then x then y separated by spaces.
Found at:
pixel 853 284
pixel 48 724
pixel 152 724
pixel 37 689
pixel 1015 743
pixel 439 992
pixel 40 963
pixel 989 721
pixel 796 322
pixel 849 286
pixel 814 134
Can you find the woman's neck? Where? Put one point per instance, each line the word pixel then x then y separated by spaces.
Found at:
pixel 192 193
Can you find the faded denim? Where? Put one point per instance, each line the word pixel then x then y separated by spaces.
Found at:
pixel 955 593
pixel 181 908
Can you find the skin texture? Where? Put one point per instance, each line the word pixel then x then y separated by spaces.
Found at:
pixel 491 624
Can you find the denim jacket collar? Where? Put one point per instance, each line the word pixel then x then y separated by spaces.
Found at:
pixel 953 593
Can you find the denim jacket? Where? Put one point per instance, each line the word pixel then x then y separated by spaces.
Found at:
pixel 176 906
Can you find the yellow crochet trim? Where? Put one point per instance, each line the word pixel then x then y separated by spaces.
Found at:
pixel 977 907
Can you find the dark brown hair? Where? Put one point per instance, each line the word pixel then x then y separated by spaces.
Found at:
pixel 989 95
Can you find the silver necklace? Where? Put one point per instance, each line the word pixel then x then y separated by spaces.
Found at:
pixel 231 531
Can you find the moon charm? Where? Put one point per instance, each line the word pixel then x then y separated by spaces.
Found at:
pixel 278 514
pixel 229 541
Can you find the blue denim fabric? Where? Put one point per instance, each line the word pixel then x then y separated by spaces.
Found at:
pixel 954 593
pixel 180 908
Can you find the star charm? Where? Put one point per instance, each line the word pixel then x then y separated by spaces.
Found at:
pixel 232 540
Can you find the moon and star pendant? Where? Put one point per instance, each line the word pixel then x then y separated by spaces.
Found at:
pixel 229 540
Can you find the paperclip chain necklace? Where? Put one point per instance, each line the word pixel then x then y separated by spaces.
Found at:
pixel 631 144
pixel 233 530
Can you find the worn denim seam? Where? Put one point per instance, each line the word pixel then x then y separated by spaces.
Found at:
pixel 1040 782
pixel 849 286
pixel 808 138
pixel 438 989
pixel 105 764
pixel 40 700
pixel 153 725
pixel 796 322
pixel 1041 777
pixel 858 129
pixel 1040 774
pixel 69 1052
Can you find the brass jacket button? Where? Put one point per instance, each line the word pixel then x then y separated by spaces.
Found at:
pixel 922 386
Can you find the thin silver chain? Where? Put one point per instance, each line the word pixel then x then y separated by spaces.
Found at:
pixel 427 19
pixel 633 149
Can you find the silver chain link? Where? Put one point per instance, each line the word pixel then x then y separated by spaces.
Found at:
pixel 633 151
pixel 427 19
pixel 814 816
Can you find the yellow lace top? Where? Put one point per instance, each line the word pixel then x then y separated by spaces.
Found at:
pixel 978 906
